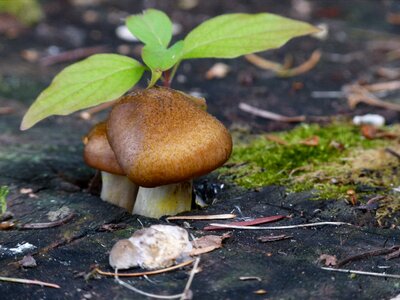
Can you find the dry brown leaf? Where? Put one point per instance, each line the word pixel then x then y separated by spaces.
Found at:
pixel 208 243
pixel 276 139
pixel 371 132
pixel 328 260
pixel 312 141
pixel 6 225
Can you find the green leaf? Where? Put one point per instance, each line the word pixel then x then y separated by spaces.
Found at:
pixel 232 35
pixel 97 79
pixel 155 75
pixel 153 27
pixel 160 58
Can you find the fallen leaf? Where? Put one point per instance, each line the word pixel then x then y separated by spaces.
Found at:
pixel 276 139
pixel 311 141
pixel 208 243
pixel 6 225
pixel 27 262
pixel 371 132
pixel 328 260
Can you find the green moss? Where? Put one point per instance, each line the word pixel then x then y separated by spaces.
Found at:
pixel 324 168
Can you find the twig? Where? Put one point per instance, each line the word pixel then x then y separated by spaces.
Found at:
pixel 132 288
pixel 270 115
pixel 71 55
pixel 304 67
pixel 245 278
pixel 263 63
pixel 29 281
pixel 362 272
pixel 358 94
pixel 383 86
pixel 392 255
pixel 182 295
pixel 283 70
pixel 280 227
pixel 368 254
pixel 88 113
pixel 138 274
pixel 48 224
pixel 274 238
pixel 257 221
pixel 392 152
pixel 6 110
pixel 203 217
pixel 190 280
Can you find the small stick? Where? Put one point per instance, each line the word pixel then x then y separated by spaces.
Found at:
pixel 257 221
pixel 362 272
pixel 368 254
pixel 138 274
pixel 270 115
pixel 280 227
pixel 383 86
pixel 183 295
pixel 244 278
pixel 304 67
pixel 282 70
pixel 71 55
pixel 190 280
pixel 358 94
pixel 203 217
pixel 273 238
pixel 132 288
pixel 392 152
pixel 29 281
pixel 6 110
pixel 88 113
pixel 48 224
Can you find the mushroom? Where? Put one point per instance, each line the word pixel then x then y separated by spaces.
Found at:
pixel 162 140
pixel 116 188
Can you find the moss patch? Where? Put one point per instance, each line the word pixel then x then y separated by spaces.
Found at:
pixel 342 159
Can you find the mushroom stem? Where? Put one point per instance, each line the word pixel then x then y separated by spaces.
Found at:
pixel 118 190
pixel 164 200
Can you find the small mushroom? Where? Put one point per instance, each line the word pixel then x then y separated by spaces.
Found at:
pixel 162 140
pixel 116 187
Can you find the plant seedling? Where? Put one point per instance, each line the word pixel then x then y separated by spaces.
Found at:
pixel 106 77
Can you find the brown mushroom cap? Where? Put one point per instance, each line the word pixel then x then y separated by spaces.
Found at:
pixel 98 153
pixel 160 136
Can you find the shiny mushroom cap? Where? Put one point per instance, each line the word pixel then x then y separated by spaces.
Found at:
pixel 160 136
pixel 98 153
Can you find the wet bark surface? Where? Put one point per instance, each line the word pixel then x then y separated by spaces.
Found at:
pixel 48 160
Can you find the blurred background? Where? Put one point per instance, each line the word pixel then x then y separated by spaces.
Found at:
pixel 359 45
